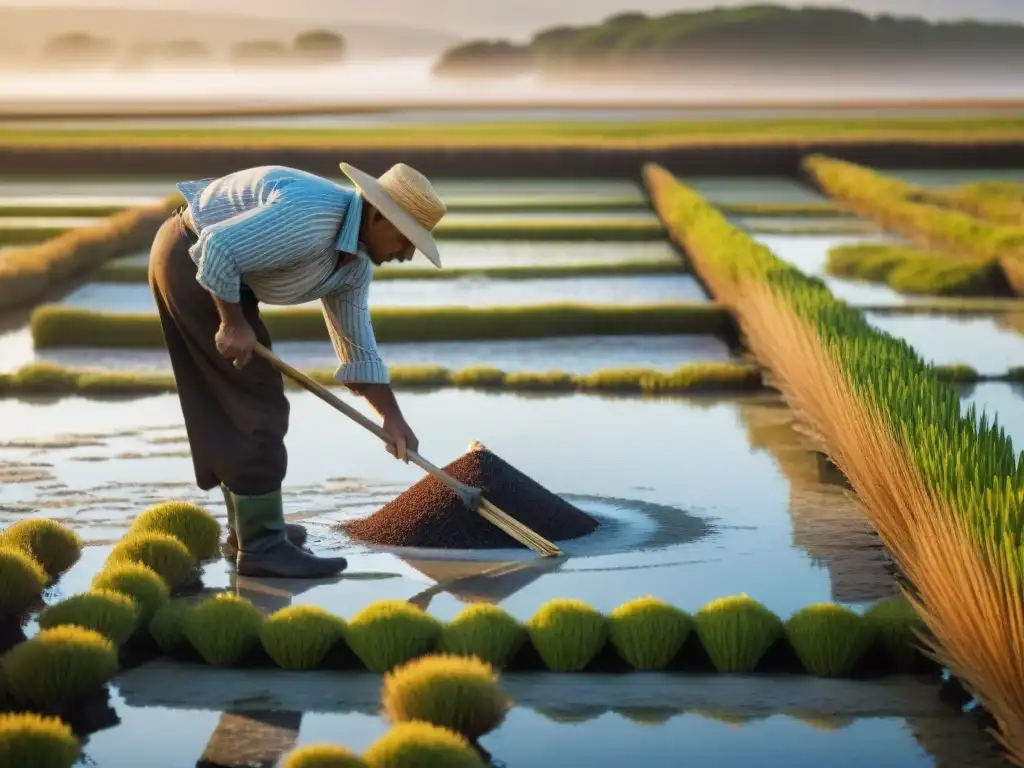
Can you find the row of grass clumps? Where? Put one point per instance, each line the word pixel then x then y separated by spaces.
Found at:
pixel 908 210
pixel 714 377
pixel 1001 202
pixel 918 270
pixel 968 516
pixel 114 272
pixel 30 274
pixel 34 552
pixel 59 326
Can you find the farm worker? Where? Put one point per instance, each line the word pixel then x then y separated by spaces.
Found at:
pixel 280 236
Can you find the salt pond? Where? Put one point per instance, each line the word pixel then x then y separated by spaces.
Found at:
pixel 495 253
pixel 575 354
pixel 465 292
pixel 979 342
pixel 809 254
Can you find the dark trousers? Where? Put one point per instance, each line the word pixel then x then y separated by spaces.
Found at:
pixel 236 419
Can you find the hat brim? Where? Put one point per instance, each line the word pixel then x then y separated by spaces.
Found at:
pixel 404 222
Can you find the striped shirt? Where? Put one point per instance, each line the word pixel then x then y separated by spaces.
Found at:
pixel 282 233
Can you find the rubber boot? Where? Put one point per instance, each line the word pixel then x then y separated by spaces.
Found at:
pixel 265 551
pixel 296 533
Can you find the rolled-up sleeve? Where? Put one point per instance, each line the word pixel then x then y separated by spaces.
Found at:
pixel 271 236
pixel 347 311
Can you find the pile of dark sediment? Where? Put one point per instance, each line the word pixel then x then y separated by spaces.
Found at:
pixel 430 514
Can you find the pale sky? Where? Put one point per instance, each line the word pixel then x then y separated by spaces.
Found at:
pixel 512 18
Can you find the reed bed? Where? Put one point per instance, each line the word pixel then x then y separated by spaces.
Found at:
pixel 906 209
pixel 139 273
pixel 918 271
pixel 1001 202
pixel 58 326
pixel 942 489
pixel 28 275
pixel 48 379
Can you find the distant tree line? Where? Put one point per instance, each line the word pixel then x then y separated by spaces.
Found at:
pixel 313 47
pixel 752 34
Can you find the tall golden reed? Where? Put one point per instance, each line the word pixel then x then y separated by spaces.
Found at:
pixel 970 598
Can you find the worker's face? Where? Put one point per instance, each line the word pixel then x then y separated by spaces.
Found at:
pixel 384 241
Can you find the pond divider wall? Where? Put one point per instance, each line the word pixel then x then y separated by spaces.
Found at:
pixel 31 274
pixel 781 158
pixel 941 489
pixel 58 326
pixel 42 379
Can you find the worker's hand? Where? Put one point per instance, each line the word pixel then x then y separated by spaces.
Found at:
pixel 402 438
pixel 236 341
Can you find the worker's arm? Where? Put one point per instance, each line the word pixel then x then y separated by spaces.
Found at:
pixel 361 368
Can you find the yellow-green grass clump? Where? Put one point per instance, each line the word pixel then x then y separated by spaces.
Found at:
pixel 62 326
pixel 223 628
pixel 422 745
pixel 54 546
pixel 22 578
pixel 648 632
pixel 567 634
pixel 484 631
pixel 736 632
pixel 140 582
pixel 162 552
pixel 898 628
pixel 829 639
pixel 167 627
pixel 110 613
pixel 461 693
pixel 391 632
pixel 29 740
pixel 482 376
pixel 957 372
pixel 323 756
pixel 300 636
pixel 58 666
pixel 918 271
pixel 194 526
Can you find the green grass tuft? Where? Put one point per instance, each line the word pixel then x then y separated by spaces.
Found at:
pixel 23 581
pixel 459 693
pixel 391 632
pixel 323 756
pixel 898 627
pixel 164 553
pixel 484 631
pixel 28 740
pixel 648 632
pixel 61 326
pixel 736 632
pixel 300 636
pixel 194 526
pixel 223 628
pixel 421 745
pixel 167 626
pixel 54 546
pixel 567 634
pixel 957 372
pixel 481 376
pixel 59 666
pixel 139 582
pixel 829 639
pixel 112 614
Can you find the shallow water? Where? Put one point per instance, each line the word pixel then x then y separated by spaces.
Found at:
pixel 465 292
pixel 512 218
pixel 752 189
pixel 557 719
pixel 679 525
pixel 999 400
pixel 576 354
pixel 809 254
pixel 526 254
pixel 946 340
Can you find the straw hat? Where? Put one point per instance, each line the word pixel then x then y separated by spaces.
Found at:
pixel 407 199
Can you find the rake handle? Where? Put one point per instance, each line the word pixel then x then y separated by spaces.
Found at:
pixel 338 404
